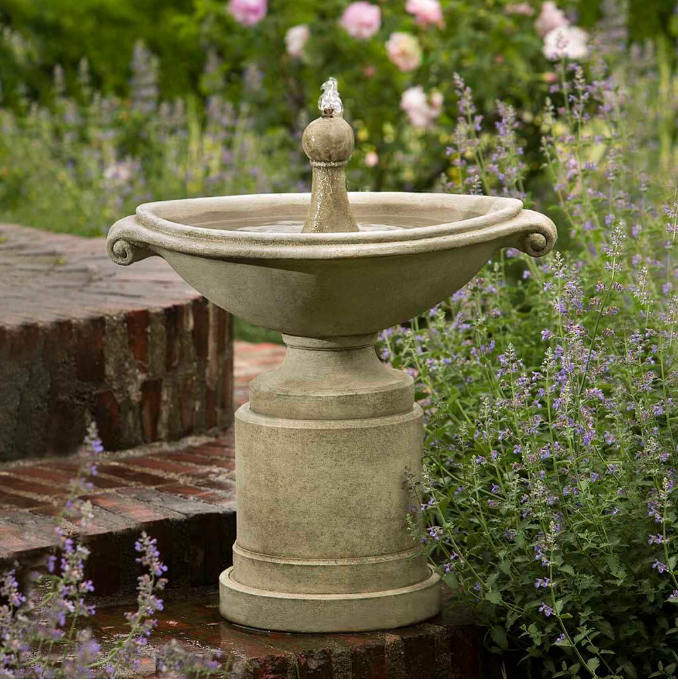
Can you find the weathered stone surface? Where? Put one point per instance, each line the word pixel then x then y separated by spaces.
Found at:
pixel 143 353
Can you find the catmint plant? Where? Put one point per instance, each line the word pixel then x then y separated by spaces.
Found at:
pixel 551 395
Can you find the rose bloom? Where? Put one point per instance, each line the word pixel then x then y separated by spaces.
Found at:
pixel 371 159
pixel 420 110
pixel 522 8
pixel 361 20
pixel 404 51
pixel 247 12
pixel 566 41
pixel 436 100
pixel 296 39
pixel 550 18
pixel 427 12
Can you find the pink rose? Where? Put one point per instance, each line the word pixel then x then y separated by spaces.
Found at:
pixel 247 12
pixel 371 159
pixel 566 41
pixel 361 20
pixel 296 39
pixel 404 51
pixel 427 12
pixel 550 18
pixel 522 8
pixel 421 111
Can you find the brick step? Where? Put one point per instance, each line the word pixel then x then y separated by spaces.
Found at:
pixel 183 496
pixel 139 350
pixel 182 493
pixel 444 647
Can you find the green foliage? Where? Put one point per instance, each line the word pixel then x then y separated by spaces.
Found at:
pixel 104 33
pixel 99 159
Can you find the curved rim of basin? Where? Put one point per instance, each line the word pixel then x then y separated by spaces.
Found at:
pixel 176 226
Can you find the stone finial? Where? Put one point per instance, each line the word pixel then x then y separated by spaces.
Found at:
pixel 328 143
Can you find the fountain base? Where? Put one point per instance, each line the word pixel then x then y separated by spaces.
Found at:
pixel 322 449
pixel 328 613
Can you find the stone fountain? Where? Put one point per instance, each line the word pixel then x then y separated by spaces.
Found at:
pixel 323 444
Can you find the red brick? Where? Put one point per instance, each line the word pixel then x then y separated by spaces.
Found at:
pixel 201 327
pixel 420 652
pixel 127 507
pixel 13 483
pixel 162 465
pixel 58 342
pixel 368 655
pixel 137 323
pixel 222 330
pixel 14 539
pixel 219 484
pixel 17 501
pixel 47 511
pixel 202 461
pixel 186 404
pixel 131 475
pixel 25 341
pixel 212 451
pixel 217 498
pixel 210 408
pixel 173 321
pixel 183 490
pixel 227 392
pixel 45 474
pixel 99 482
pixel 90 340
pixel 151 400
pixel 107 415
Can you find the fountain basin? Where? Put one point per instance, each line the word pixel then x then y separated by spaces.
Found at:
pixel 248 255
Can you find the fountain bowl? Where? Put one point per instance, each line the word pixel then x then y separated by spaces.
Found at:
pixel 248 255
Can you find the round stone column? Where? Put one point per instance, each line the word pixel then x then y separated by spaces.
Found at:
pixel 322 450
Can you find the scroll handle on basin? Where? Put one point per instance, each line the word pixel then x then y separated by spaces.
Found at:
pixel 532 233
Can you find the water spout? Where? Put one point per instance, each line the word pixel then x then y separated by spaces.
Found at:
pixel 328 143
pixel 330 103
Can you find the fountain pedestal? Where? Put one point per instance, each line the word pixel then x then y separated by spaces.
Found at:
pixel 322 451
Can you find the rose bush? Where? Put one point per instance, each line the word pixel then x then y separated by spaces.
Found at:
pixel 382 53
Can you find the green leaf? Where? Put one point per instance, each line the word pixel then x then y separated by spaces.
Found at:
pixel 498 635
pixel 493 596
pixel 592 664
pixel 605 627
pixel 505 566
pixel 451 580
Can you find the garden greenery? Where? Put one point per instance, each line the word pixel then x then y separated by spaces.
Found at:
pixel 97 157
pixel 549 498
